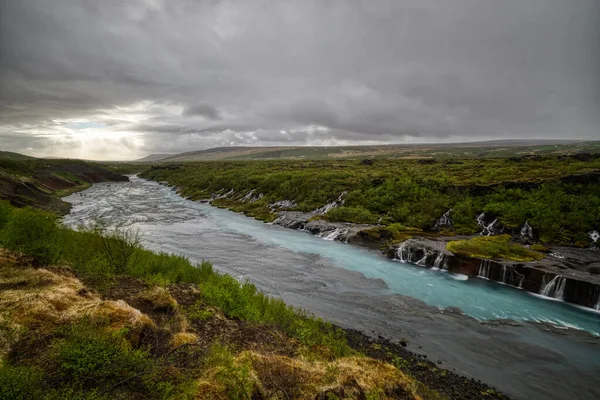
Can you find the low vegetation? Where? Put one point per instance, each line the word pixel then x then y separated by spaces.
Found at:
pixel 493 247
pixel 559 196
pixel 158 327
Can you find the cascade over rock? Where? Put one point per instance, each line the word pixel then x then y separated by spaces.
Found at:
pixel 532 278
pixel 489 229
pixel 444 221
pixel 336 203
pixel 526 231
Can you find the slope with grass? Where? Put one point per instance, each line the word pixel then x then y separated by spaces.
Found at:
pixel 117 321
pixel 41 183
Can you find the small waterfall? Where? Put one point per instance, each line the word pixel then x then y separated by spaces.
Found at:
pixel 504 274
pixel 492 228
pixel 404 253
pixel 555 288
pixel 331 235
pixel 283 204
pixel 484 269
pixel 443 221
pixel 594 236
pixel 423 260
pixel 440 261
pixel 527 231
pixel 216 196
pixel 248 195
pixel 336 203
pixel 597 306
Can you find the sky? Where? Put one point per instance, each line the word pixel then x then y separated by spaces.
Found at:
pixel 120 79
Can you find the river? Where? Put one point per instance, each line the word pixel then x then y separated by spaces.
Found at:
pixel 528 347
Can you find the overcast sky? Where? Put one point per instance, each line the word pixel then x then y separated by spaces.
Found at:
pixel 119 79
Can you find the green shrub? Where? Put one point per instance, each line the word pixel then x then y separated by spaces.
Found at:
pixel 89 354
pixel 231 373
pixel 35 233
pixel 358 215
pixel 20 383
pixel 5 213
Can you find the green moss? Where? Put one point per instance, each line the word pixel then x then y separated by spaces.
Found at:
pixel 540 248
pixel 493 247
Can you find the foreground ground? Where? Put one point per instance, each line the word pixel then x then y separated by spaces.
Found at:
pixel 61 338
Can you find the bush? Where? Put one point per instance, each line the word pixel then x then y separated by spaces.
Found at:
pixel 90 355
pixel 20 383
pixel 358 215
pixel 35 233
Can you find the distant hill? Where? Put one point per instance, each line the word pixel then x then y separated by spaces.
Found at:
pixel 495 148
pixel 7 155
pixel 153 157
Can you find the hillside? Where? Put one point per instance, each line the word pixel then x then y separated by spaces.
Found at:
pixel 41 183
pixel 497 148
pixel 7 155
pixel 153 157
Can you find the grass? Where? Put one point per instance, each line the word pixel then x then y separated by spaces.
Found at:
pixel 558 196
pixel 493 247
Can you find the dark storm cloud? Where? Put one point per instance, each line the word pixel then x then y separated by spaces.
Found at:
pixel 156 75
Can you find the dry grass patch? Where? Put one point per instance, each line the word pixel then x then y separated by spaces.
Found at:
pixel 160 299
pixel 183 338
pixel 281 377
pixel 40 300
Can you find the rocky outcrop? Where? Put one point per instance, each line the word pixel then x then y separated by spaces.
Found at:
pixel 550 277
pixel 340 231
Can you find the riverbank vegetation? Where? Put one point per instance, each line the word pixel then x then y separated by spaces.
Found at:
pixel 90 314
pixel 559 196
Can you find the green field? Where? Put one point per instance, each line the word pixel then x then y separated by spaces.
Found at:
pixel 558 195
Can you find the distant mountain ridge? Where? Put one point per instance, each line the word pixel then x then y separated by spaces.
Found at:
pixel 494 148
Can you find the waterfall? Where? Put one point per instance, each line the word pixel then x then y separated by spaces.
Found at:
pixel 443 221
pixel 597 306
pixel 484 269
pixel 555 288
pixel 504 274
pixel 248 195
pixel 423 261
pixel 336 203
pixel 490 229
pixel 404 254
pixel 331 235
pixel 215 196
pixel 594 235
pixel 440 260
pixel 527 231
pixel 283 204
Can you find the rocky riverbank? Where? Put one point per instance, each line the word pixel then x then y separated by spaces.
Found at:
pixel 567 274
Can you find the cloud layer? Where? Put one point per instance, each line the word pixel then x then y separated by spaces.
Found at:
pixel 123 78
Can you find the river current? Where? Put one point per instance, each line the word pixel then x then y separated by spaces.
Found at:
pixel 528 347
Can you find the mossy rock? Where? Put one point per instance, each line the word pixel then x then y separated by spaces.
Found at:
pixel 493 247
